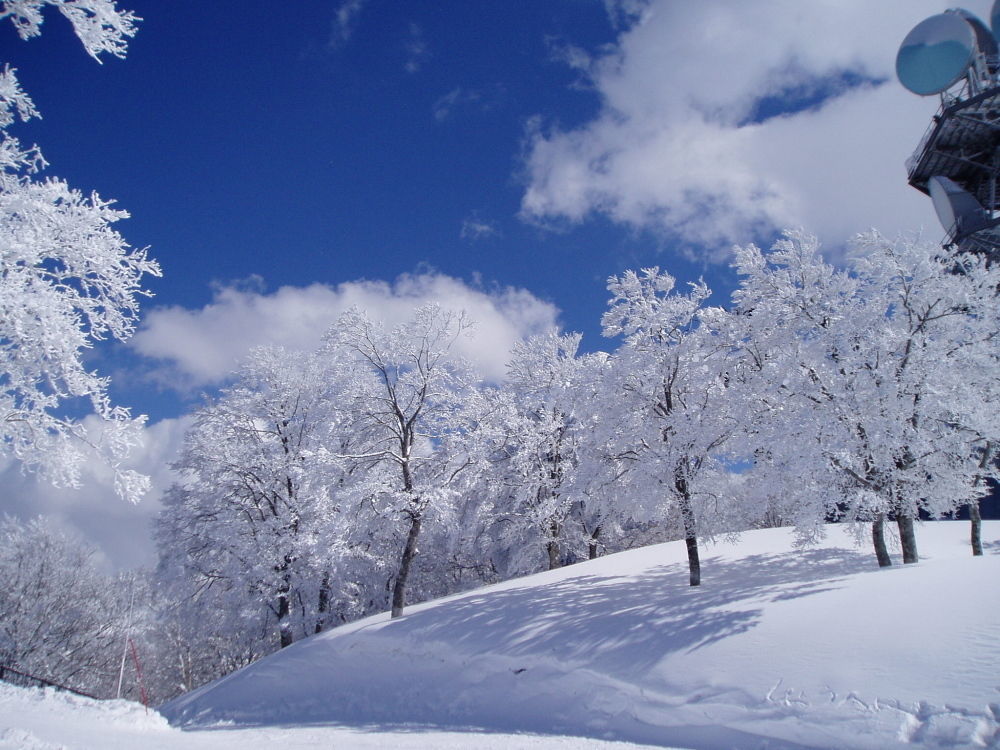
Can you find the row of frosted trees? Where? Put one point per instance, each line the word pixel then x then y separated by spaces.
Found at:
pixel 380 469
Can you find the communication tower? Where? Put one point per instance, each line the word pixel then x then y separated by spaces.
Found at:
pixel 954 55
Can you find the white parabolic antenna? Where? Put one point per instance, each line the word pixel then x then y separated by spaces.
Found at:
pixel 936 54
pixel 957 209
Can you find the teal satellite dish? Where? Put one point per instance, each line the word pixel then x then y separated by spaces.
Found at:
pixel 936 54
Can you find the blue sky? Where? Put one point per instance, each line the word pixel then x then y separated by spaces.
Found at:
pixel 284 160
pixel 297 151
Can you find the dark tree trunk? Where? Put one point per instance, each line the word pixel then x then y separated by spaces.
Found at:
pixel 975 517
pixel 284 626
pixel 323 606
pixel 593 543
pixel 977 528
pixel 553 551
pixel 878 539
pixel 694 564
pixel 552 546
pixel 409 552
pixel 907 538
pixel 690 533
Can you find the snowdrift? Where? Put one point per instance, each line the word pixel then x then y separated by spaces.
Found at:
pixel 813 648
pixel 28 715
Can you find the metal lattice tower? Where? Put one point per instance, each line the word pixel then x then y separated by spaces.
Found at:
pixel 954 55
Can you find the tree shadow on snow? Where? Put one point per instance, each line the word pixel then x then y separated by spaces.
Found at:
pixel 629 622
pixel 532 636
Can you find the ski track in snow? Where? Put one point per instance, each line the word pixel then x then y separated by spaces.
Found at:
pixel 779 649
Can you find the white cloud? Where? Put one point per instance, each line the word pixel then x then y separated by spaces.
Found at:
pixel 203 347
pixel 444 105
pixel 463 100
pixel 119 529
pixel 417 50
pixel 460 98
pixel 476 228
pixel 671 149
pixel 624 12
pixel 344 21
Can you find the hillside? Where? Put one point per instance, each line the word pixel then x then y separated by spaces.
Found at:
pixel 779 648
pixel 816 647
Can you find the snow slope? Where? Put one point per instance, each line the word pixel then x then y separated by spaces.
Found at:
pixel 779 648
pixel 815 648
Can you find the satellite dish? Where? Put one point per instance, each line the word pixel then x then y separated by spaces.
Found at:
pixel 957 209
pixel 936 53
pixel 985 41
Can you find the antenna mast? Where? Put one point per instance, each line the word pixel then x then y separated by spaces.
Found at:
pixel 955 55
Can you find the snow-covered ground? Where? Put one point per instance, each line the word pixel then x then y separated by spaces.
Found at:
pixel 32 719
pixel 779 648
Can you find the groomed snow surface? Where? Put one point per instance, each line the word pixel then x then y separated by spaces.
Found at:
pixel 779 648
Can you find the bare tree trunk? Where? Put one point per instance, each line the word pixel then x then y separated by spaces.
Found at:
pixel 323 606
pixel 284 626
pixel 593 543
pixel 975 517
pixel 552 546
pixel 694 564
pixel 878 539
pixel 977 528
pixel 553 552
pixel 409 552
pixel 690 533
pixel 907 538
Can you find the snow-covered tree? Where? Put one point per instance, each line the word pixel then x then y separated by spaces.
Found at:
pixel 251 525
pixel 192 641
pixel 671 415
pixel 878 383
pixel 99 24
pixel 61 618
pixel 406 395
pixel 67 280
pixel 540 507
